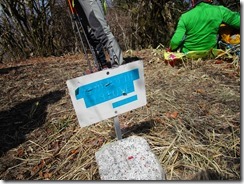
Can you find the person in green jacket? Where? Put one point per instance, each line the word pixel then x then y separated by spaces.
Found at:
pixel 198 28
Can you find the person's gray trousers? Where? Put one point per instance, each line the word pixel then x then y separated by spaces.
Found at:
pixel 96 18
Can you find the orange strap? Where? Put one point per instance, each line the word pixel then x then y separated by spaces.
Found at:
pixel 71 6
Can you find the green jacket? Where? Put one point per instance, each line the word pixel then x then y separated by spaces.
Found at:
pixel 198 28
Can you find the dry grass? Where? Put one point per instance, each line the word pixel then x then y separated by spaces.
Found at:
pixel 191 120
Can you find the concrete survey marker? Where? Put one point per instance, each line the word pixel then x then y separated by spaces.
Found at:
pixel 108 93
pixel 128 159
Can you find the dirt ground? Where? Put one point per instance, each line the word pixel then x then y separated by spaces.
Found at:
pixel 191 120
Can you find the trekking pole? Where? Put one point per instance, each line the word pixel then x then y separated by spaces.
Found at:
pixel 75 17
pixel 89 45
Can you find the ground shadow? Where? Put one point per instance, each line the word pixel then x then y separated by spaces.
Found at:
pixel 208 175
pixel 130 59
pixel 23 118
pixel 140 128
pixel 9 69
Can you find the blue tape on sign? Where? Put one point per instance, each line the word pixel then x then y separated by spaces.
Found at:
pixel 107 89
pixel 125 101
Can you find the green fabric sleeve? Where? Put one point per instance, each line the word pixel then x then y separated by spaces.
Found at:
pixel 229 17
pixel 178 36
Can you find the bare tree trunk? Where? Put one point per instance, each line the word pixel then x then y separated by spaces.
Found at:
pixel 35 27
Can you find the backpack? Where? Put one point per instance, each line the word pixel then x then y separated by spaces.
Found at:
pixel 229 39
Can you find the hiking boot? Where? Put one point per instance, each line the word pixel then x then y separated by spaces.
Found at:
pixel 115 66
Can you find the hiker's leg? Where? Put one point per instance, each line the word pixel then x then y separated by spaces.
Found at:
pixel 98 23
pixel 98 49
pixel 93 41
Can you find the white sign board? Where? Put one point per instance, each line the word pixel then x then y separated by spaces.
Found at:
pixel 108 93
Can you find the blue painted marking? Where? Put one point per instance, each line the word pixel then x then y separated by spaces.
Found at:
pixel 107 89
pixel 125 101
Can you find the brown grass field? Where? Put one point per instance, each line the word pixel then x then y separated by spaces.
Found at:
pixel 191 120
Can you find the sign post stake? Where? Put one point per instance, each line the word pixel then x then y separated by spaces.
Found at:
pixel 117 128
